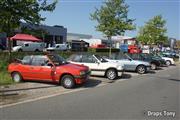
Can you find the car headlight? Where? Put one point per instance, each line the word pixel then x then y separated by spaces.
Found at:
pixel 82 73
pixel 120 67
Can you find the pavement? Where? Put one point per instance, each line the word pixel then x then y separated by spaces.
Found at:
pixel 134 96
pixel 28 91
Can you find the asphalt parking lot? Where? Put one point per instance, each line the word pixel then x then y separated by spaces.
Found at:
pixel 31 91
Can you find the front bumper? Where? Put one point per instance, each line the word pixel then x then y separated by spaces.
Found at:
pixel 79 79
pixel 121 72
pixel 148 68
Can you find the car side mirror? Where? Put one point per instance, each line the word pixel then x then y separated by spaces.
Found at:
pixel 130 59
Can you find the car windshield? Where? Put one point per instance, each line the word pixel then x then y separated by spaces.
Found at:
pixel 100 58
pixel 57 60
pixel 120 56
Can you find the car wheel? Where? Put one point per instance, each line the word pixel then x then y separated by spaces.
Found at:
pixel 20 50
pixel 111 74
pixel 67 81
pixel 36 50
pixel 16 76
pixel 153 66
pixel 141 69
pixel 168 63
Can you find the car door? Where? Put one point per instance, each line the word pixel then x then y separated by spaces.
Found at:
pixel 130 64
pixel 24 69
pixel 39 69
pixel 93 64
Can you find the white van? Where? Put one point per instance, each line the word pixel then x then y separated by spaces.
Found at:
pixel 58 47
pixel 29 46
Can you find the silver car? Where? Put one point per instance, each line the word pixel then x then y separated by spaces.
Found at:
pixel 140 67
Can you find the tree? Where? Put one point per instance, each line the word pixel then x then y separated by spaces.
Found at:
pixel 153 32
pixel 13 12
pixel 112 19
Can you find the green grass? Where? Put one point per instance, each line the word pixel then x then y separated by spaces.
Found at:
pixel 5 78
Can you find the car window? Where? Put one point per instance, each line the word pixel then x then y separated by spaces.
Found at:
pixel 57 60
pixel 26 60
pixel 26 45
pixel 75 58
pixel 88 59
pixel 39 61
pixel 135 56
pixel 100 58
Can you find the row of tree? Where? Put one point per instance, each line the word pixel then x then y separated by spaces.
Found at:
pixel 112 18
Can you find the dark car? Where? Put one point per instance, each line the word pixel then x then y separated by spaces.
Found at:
pixel 2 47
pixel 148 58
pixel 156 57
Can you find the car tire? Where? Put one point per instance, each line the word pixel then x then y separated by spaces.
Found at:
pixel 20 50
pixel 153 66
pixel 141 69
pixel 16 76
pixel 111 74
pixel 67 81
pixel 168 63
pixel 36 50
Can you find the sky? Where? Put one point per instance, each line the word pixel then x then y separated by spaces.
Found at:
pixel 75 15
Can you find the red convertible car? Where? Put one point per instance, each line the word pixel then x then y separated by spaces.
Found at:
pixel 51 68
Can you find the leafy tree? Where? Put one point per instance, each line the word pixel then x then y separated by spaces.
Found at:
pixel 13 12
pixel 112 18
pixel 153 32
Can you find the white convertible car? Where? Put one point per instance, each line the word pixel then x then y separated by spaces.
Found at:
pixel 98 65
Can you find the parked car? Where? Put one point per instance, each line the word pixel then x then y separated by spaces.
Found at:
pixel 58 47
pixel 169 61
pixel 162 61
pixel 145 57
pixel 2 47
pixel 170 54
pixel 29 46
pixel 140 67
pixel 98 65
pixel 51 68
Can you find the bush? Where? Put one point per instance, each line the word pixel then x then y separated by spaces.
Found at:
pixel 92 50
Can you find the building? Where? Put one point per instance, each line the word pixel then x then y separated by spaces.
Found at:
pixel 120 40
pixel 76 36
pixel 55 34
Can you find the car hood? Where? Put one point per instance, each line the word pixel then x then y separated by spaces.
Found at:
pixel 16 47
pixel 51 48
pixel 73 67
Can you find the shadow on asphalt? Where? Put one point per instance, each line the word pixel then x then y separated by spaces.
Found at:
pixel 177 80
pixel 159 68
pixel 151 72
pixel 90 83
pixel 126 76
